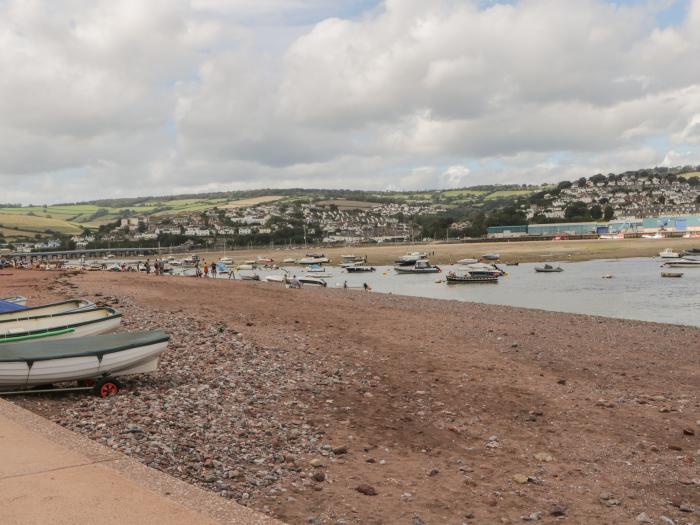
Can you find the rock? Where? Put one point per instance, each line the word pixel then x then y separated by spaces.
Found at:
pixel 643 518
pixel 688 431
pixel 338 451
pixel 557 510
pixel 684 507
pixel 315 462
pixel 673 446
pixel 367 490
pixel 543 456
pixel 417 520
pixel 667 520
pixel 521 479
pixel 535 516
pixel 561 381
pixel 433 472
pixel 319 476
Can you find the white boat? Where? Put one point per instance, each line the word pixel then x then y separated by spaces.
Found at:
pixel 469 277
pixel 80 323
pixel 491 256
pixel 312 281
pixel 314 259
pixel 315 268
pixel 28 364
pixel 410 259
pixel 684 263
pixel 48 309
pixel 612 236
pixel 466 261
pixel 668 253
pixel 484 270
pixel 691 235
pixel 289 260
pixel 226 260
pixel 19 300
pixel 655 236
pixel 245 267
pixel 353 259
pixel 420 266
pixel 275 279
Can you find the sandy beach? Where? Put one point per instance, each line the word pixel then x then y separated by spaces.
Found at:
pixel 334 406
pixel 514 251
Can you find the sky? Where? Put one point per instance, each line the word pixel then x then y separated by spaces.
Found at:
pixel 105 99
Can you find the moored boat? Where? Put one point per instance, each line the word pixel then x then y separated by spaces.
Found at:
pixel 48 309
pixel 484 270
pixel 548 268
pixel 491 256
pixel 668 253
pixel 28 364
pixel 420 266
pixel 671 274
pixel 683 263
pixel 314 258
pixel 467 277
pixel 65 325
pixel 312 281
pixel 468 260
pixel 254 277
pixel 410 259
pixel 360 268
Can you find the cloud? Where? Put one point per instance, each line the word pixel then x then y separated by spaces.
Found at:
pixel 127 98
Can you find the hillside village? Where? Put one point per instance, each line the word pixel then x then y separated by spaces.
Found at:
pixel 627 196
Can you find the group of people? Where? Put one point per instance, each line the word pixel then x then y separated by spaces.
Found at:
pixel 158 267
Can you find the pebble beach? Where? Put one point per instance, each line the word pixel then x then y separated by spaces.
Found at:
pixel 335 406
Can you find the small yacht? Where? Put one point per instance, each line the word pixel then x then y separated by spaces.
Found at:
pixel 420 266
pixel 410 259
pixel 484 270
pixel 668 253
pixel 469 277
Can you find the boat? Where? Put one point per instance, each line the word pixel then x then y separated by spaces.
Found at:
pixel 612 236
pixel 671 274
pixel 467 277
pixel 19 300
pixel 66 325
pixel 491 256
pixel 264 260
pixel 484 270
pixel 468 260
pixel 315 268
pixel 314 258
pixel 691 251
pixel 684 263
pixel 656 236
pixel 275 279
pixel 410 259
pixel 226 260
pixel 420 266
pixel 353 259
pixel 608 276
pixel 48 309
pixel 6 306
pixel 691 235
pixel 289 260
pixel 312 281
pixel 668 253
pixel 245 267
pixel 98 358
pixel 360 268
pixel 548 268
pixel 254 277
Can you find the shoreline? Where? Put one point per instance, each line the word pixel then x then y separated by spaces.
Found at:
pixel 440 406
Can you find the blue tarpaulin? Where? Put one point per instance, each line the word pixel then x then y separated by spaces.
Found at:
pixel 6 306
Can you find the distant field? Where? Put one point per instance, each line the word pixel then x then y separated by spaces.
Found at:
pixel 36 224
pixel 509 193
pixel 463 193
pixel 342 203
pixel 253 201
pixel 692 175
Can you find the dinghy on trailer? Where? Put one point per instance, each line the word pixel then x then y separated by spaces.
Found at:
pixel 98 359
pixel 67 325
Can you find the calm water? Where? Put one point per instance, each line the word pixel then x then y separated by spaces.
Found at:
pixel 637 290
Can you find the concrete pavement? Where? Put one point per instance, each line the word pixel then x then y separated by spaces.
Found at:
pixel 51 475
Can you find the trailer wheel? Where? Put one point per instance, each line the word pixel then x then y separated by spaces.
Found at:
pixel 106 387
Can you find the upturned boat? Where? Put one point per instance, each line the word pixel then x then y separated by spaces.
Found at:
pixel 23 365
pixel 421 266
pixel 48 309
pixel 79 323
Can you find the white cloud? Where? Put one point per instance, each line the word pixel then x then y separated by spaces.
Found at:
pixel 128 98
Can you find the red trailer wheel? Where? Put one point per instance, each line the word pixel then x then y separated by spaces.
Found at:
pixel 106 387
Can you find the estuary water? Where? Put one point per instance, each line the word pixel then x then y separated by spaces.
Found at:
pixel 635 291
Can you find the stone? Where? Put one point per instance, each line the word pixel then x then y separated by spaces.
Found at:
pixel 543 456
pixel 688 431
pixel 535 516
pixel 338 451
pixel 315 462
pixel 557 510
pixel 367 490
pixel 319 476
pixel 643 517
pixel 520 479
pixel 667 520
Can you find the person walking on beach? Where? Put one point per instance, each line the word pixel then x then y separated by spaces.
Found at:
pixel 213 270
pixel 197 271
pixel 345 285
pixel 206 270
pixel 148 266
pixel 156 267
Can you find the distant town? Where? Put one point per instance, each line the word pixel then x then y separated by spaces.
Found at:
pixel 329 218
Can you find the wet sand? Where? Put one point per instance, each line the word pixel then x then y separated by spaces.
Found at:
pixel 514 251
pixel 451 412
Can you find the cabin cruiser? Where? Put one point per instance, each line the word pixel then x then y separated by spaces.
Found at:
pixel 226 260
pixel 469 277
pixel 468 260
pixel 484 270
pixel 548 268
pixel 668 253
pixel 420 266
pixel 410 258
